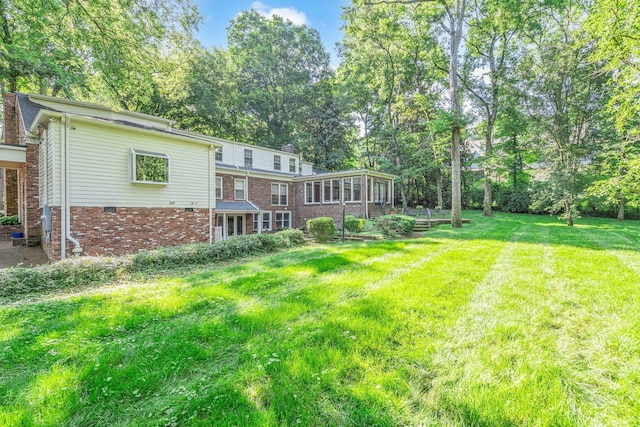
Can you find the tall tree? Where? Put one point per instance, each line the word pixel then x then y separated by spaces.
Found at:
pixel 278 64
pixel 566 93
pixel 106 47
pixel 437 17
pixel 490 39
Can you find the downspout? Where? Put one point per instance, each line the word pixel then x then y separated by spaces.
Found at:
pixel 211 172
pixel 366 195
pixel 66 209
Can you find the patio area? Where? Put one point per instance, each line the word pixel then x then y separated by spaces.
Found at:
pixel 13 256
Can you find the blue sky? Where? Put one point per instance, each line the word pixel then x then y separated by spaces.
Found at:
pixel 324 16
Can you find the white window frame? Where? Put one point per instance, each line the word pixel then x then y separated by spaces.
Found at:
pixel 218 155
pixel 248 158
pixel 134 153
pixel 277 162
pixel 292 165
pixel 265 217
pixel 351 198
pixel 218 187
pixel 280 224
pixel 331 199
pixel 280 186
pixel 236 189
pixel 313 198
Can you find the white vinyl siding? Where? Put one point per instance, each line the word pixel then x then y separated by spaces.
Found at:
pixel 42 170
pixel 262 158
pixel 100 111
pixel 99 169
pixel 307 168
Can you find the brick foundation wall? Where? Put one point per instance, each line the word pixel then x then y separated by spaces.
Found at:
pixel 128 230
pixel 6 231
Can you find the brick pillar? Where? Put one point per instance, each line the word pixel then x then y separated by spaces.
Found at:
pixel 11 192
pixel 31 220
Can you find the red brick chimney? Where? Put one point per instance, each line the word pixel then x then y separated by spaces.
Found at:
pixel 10 130
pixel 289 148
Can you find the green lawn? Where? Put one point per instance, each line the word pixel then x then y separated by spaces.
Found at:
pixel 513 320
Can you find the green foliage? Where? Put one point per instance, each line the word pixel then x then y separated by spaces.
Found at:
pixel 393 225
pixel 221 250
pixel 353 224
pixel 9 220
pixel 510 199
pixel 322 229
pixel 82 271
pixel 68 273
pixel 106 48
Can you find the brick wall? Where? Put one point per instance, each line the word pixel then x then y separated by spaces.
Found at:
pixel 6 231
pixel 128 230
pixel 11 192
pixel 31 220
pixel 259 193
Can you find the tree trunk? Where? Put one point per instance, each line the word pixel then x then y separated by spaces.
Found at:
pixel 568 206
pixel 488 200
pixel 456 184
pixel 439 190
pixel 623 201
pixel 456 21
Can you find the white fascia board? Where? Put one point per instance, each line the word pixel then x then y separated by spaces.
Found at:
pixel 44 114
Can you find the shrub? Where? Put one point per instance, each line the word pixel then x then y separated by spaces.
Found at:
pixel 353 224
pixel 393 225
pixel 222 250
pixel 322 229
pixel 510 199
pixel 63 274
pixel 9 220
pixel 84 270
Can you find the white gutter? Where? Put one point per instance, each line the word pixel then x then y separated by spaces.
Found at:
pixel 65 217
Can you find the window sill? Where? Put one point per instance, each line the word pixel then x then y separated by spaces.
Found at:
pixel 149 182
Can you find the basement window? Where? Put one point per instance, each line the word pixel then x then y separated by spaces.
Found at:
pixel 149 168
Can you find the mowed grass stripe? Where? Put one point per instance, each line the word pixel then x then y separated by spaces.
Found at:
pixel 380 333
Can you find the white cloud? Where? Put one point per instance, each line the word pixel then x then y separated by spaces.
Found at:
pixel 290 13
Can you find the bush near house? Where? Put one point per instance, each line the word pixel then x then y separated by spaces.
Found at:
pixel 82 271
pixel 393 225
pixel 322 229
pixel 9 220
pixel 353 224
